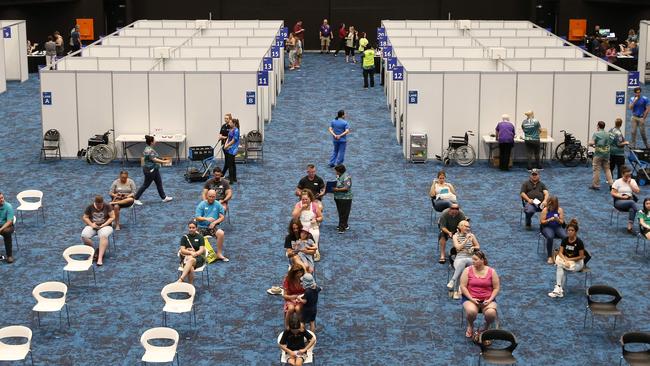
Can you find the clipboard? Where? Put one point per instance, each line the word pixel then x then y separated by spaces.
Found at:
pixel 329 186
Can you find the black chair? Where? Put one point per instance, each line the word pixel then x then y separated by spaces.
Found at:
pixel 602 307
pixel 51 145
pixel 635 358
pixel 493 355
pixel 254 145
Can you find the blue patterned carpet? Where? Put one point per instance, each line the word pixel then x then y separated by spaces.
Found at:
pixel 384 300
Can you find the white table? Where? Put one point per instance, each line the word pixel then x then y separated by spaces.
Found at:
pixel 493 144
pixel 173 141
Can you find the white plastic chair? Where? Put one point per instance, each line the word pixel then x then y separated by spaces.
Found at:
pixel 15 352
pixel 78 265
pixel 284 358
pixel 178 306
pixel 47 305
pixel 30 205
pixel 199 269
pixel 159 354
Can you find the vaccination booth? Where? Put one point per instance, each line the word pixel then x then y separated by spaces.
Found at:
pixel 13 52
pixel 475 71
pixel 155 81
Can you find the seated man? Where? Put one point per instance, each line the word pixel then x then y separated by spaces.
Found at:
pixel 98 218
pixel 209 214
pixel 220 185
pixel 7 226
pixel 534 196
pixel 313 183
pixel 448 223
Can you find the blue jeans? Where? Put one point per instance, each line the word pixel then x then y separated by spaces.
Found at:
pixel 338 154
pixel 626 205
pixel 440 205
pixel 550 233
pixel 530 210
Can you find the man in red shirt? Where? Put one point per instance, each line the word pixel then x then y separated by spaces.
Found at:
pixel 299 32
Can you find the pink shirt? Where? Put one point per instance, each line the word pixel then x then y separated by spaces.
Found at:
pixel 479 288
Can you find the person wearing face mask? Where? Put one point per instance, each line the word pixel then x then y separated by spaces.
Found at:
pixel 624 191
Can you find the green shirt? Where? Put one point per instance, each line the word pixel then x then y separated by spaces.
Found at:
pixel 369 58
pixel 342 181
pixel 6 213
pixel 616 137
pixel 149 154
pixel 531 129
pixel 601 141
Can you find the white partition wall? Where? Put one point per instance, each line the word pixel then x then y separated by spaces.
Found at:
pixel 644 49
pixel 61 114
pixel 3 80
pixel 15 49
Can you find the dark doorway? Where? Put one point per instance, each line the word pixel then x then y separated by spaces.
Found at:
pixel 115 13
pixel 546 14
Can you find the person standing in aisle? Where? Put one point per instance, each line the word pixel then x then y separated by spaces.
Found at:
pixel 339 42
pixel 339 129
pixel 617 148
pixel 299 32
pixel 58 40
pixel 368 64
pixel 151 170
pixel 325 37
pixel 343 197
pixel 75 39
pixel 600 142
pixel 640 106
pixel 505 132
pixel 223 131
pixel 351 40
pixel 50 52
pixel 230 151
pixel 532 129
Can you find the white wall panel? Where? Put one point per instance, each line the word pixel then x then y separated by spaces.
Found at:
pixel 135 52
pixel 209 32
pixel 212 65
pixel 94 104
pixel 194 52
pixel 408 52
pixel 234 100
pixel 246 24
pixel 224 52
pixel 571 105
pixel 149 41
pixel 398 33
pixel 62 113
pixel 529 52
pixel 447 65
pixel 139 64
pixel 123 64
pixel 416 64
pixel 135 32
pixel 439 52
pixel 167 103
pixel 12 54
pixel 222 24
pixel 429 42
pixel 458 42
pixel 514 42
pixel 461 106
pixel 450 33
pixel 131 106
pixel 174 41
pixel 186 32
pixel 253 52
pixel 270 32
pixel 162 32
pixel 468 52
pixel 442 24
pixel 498 96
pixel 503 33
pixel 3 79
pixel 603 99
pixel 480 65
pixel 394 24
pixel 426 115
pixel 518 65
pixel 81 63
pixel 535 92
pixel 101 51
pixel 544 42
pixel 489 42
pixel 417 24
pixel 174 23
pixel 22 53
pixel 233 41
pixel 402 41
pixel 428 32
pixel 119 41
pixel 245 64
pixel 241 32
pixel 177 64
pixel 547 65
pixel 585 64
pixel 205 41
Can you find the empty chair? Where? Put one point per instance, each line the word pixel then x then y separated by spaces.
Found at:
pixel 47 304
pixel 159 354
pixel 30 200
pixel 493 355
pixel 597 306
pixel 178 305
pixel 15 352
pixel 284 357
pixel 78 265
pixel 51 146
pixel 635 358
pixel 254 144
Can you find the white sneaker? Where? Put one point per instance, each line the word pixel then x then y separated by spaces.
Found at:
pixel 167 199
pixel 557 292
pixel 456 295
pixel 451 284
pixel 138 202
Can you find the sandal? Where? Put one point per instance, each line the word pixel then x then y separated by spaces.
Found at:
pixel 468 333
pixel 442 260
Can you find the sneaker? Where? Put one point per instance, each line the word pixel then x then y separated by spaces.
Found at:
pixel 456 295
pixel 138 202
pixel 167 199
pixel 10 260
pixel 550 260
pixel 557 292
pixel 347 227
pixel 451 284
pixel 341 231
pixel 317 256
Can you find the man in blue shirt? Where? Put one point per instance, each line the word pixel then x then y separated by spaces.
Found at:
pixel 7 226
pixel 209 214
pixel 640 106
pixel 339 129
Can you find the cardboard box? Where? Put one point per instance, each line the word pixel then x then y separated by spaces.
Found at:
pixel 170 158
pixel 495 161
pixel 543 133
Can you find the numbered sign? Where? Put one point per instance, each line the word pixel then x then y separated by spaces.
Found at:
pixel 382 43
pixel 6 32
pixel 250 97
pixel 398 73
pixel 413 97
pixel 262 78
pixel 275 52
pixel 279 41
pixel 381 33
pixel 391 62
pixel 632 79
pixel 620 97
pixel 387 51
pixel 284 32
pixel 267 63
pixel 47 98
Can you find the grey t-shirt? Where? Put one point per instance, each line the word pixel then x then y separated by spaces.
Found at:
pixel 50 48
pixel 126 188
pixel 451 222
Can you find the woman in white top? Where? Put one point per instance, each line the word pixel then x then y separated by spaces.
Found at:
pixel 350 40
pixel 623 192
pixel 309 213
pixel 465 244
pixel 442 194
pixel 122 191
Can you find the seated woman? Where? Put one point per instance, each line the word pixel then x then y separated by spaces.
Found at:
pixel 465 244
pixel 442 193
pixel 623 192
pixel 302 251
pixel 292 341
pixel 293 292
pixel 644 219
pixel 191 252
pixel 552 225
pixel 480 287
pixel 122 191
pixel 570 257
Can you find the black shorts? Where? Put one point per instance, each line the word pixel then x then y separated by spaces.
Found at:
pixel 443 235
pixel 349 51
pixel 124 205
